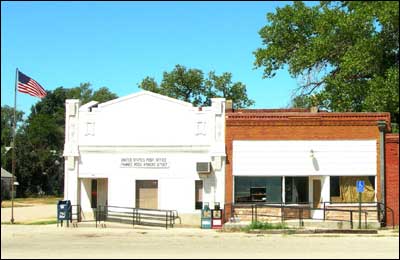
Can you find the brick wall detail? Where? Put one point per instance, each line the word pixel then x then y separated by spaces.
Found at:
pixel 392 176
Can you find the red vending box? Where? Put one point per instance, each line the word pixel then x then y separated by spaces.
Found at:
pixel 216 218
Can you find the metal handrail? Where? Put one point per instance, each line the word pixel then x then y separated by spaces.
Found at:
pixel 78 212
pixel 374 203
pixel 137 215
pixel 383 221
pixel 282 206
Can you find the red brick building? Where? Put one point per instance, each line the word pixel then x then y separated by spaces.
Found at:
pixel 312 156
pixel 392 176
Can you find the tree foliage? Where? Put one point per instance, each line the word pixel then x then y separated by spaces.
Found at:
pixel 7 121
pixel 191 86
pixel 346 54
pixel 40 139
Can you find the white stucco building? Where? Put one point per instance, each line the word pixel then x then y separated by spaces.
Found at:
pixel 142 150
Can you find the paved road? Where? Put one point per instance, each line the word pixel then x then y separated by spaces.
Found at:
pixel 48 241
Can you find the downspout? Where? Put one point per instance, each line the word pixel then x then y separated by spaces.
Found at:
pixel 382 129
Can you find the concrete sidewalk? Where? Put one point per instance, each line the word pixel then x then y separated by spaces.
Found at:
pixel 28 214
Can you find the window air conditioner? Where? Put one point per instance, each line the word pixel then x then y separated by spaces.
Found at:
pixel 203 167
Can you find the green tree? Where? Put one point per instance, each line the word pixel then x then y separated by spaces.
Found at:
pixel 7 121
pixel 191 86
pixel 346 53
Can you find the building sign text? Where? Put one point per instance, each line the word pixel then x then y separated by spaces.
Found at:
pixel 144 162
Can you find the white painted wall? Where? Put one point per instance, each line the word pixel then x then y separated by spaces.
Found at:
pixel 145 125
pixel 145 119
pixel 293 158
pixel 86 190
pixel 176 184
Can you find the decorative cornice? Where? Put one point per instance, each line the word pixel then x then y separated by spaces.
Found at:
pixel 305 118
pixel 145 149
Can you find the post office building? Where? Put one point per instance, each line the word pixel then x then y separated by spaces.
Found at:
pixel 145 150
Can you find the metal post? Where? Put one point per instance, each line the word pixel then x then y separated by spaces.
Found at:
pixel 252 213
pixel 232 212
pixel 13 147
pixel 324 210
pixel 382 130
pixel 359 210
pixel 299 219
pixel 166 220
pixel 135 215
pixel 378 209
pixel 351 219
pixel 255 209
pixel 300 216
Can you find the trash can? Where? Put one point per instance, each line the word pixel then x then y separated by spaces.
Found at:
pixel 64 211
pixel 206 217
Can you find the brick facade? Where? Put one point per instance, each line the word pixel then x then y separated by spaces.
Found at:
pixel 297 124
pixel 392 176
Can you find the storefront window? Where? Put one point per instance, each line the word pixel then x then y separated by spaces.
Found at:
pixel 343 188
pixel 296 189
pixel 258 189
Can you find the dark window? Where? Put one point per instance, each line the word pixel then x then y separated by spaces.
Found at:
pixel 334 184
pixel 258 193
pixel 198 194
pixel 258 189
pixel 94 194
pixel 372 181
pixel 296 189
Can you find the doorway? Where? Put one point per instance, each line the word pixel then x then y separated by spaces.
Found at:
pixel 316 193
pixel 99 192
pixel 147 194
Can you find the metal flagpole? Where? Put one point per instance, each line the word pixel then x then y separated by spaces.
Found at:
pixel 13 148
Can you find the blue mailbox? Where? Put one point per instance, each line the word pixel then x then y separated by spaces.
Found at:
pixel 64 211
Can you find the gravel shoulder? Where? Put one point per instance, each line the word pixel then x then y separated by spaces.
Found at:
pixel 29 213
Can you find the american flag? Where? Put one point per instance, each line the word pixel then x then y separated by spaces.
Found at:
pixel 30 86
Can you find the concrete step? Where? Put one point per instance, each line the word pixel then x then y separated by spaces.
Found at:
pixel 310 224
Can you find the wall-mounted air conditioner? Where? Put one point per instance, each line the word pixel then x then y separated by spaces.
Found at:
pixel 203 167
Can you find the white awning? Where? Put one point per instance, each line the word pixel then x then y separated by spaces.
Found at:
pixel 305 158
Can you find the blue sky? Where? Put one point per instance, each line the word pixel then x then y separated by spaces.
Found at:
pixel 117 44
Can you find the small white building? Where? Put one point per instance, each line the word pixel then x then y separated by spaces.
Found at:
pixel 142 150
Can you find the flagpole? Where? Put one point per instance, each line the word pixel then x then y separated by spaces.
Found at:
pixel 13 147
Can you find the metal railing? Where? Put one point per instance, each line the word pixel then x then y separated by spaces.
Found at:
pixel 136 216
pixel 301 210
pixel 374 207
pixel 78 213
pixel 379 209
